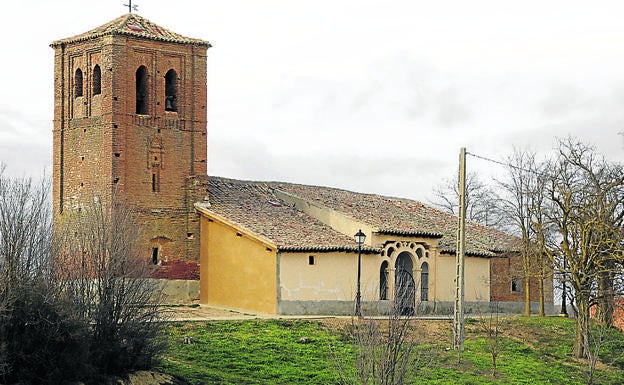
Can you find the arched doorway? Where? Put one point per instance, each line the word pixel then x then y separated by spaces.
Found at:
pixel 404 286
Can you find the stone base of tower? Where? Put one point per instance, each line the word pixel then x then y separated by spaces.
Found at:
pixel 178 291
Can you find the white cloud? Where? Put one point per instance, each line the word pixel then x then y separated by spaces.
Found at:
pixel 366 95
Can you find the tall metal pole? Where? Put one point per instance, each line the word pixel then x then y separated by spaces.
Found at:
pixel 358 295
pixel 458 320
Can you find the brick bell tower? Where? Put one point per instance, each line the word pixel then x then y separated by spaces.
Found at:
pixel 130 116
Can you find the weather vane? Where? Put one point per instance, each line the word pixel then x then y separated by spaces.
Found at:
pixel 131 7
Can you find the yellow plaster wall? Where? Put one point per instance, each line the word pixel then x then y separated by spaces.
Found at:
pixel 476 278
pixel 332 277
pixel 236 271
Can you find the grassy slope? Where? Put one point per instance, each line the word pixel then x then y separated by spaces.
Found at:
pixel 533 351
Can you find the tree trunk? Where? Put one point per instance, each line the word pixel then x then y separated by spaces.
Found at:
pixel 541 277
pixel 606 299
pixel 542 311
pixel 527 284
pixel 581 340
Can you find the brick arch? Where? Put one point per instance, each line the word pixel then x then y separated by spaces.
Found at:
pixel 78 83
pixel 97 80
pixel 142 93
pixel 171 91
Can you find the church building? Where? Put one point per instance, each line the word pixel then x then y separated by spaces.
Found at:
pixel 130 117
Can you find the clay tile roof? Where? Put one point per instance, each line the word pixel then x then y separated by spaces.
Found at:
pixel 397 216
pixel 254 207
pixel 132 24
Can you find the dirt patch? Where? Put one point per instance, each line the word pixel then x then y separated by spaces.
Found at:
pixel 423 330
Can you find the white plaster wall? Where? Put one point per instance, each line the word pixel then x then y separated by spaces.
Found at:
pixel 476 278
pixel 332 277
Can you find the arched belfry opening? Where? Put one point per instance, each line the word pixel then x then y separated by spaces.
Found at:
pixel 404 285
pixel 78 83
pixel 97 80
pixel 171 90
pixel 141 90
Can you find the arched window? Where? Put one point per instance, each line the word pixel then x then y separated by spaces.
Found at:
pixel 171 90
pixel 424 282
pixel 383 281
pixel 97 80
pixel 156 255
pixel 78 83
pixel 141 90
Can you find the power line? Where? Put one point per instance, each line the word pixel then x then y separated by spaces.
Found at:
pixel 504 164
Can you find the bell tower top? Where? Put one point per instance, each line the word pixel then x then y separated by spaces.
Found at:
pixel 133 25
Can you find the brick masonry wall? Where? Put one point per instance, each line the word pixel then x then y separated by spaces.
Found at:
pixel 101 144
pixel 503 270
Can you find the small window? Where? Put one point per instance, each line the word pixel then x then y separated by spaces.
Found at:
pixel 516 285
pixel 78 83
pixel 141 90
pixel 311 260
pixel 155 182
pixel 155 255
pixel 171 91
pixel 97 80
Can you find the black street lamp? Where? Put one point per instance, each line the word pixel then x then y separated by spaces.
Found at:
pixel 360 237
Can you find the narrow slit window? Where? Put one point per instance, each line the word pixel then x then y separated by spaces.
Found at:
pixel 155 252
pixel 311 260
pixel 141 90
pixel 171 91
pixel 155 182
pixel 78 83
pixel 97 80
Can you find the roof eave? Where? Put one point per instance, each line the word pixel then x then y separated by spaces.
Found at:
pixel 428 234
pixel 311 249
pixel 78 39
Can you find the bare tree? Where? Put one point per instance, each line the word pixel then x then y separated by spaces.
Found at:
pixel 38 333
pixel 522 191
pixel 102 270
pixel 385 346
pixel 77 302
pixel 481 201
pixel 490 326
pixel 584 205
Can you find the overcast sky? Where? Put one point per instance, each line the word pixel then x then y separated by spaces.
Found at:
pixel 371 96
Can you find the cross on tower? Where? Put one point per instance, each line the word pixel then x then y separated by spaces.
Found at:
pixel 131 7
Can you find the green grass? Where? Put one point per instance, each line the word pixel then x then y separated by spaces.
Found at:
pixel 253 352
pixel 533 351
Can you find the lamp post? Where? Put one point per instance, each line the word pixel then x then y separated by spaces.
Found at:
pixel 360 237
